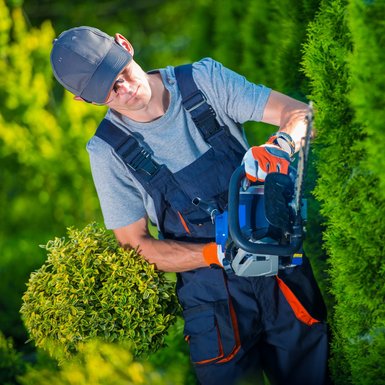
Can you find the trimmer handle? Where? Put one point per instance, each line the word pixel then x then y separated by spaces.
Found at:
pixel 240 239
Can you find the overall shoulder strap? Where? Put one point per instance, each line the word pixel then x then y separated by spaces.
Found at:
pixel 128 148
pixel 195 103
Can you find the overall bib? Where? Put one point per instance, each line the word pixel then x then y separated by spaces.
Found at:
pixel 235 326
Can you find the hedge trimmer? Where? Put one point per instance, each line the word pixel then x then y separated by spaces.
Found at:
pixel 263 229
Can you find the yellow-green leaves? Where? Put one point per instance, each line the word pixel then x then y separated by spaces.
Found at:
pixel 91 287
pixel 99 363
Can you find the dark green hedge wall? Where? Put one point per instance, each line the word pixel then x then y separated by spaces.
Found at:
pixel 343 59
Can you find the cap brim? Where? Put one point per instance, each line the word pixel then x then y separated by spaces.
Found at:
pixel 103 79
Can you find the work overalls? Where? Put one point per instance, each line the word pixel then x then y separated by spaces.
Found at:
pixel 235 326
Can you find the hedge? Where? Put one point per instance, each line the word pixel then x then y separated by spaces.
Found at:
pixel 342 58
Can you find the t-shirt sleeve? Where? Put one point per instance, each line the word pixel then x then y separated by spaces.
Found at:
pixel 120 199
pixel 239 98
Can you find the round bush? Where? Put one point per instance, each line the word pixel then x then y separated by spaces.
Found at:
pixel 91 287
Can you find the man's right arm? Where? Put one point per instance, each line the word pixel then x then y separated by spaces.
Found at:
pixel 119 197
pixel 167 255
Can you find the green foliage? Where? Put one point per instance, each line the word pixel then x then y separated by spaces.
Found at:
pixel 174 359
pixel 290 19
pixel 44 165
pixel 226 41
pixel 339 64
pixel 253 35
pixel 162 31
pixel 90 287
pixel 267 41
pixel 46 183
pixel 11 364
pixel 13 275
pixel 99 363
pixel 364 343
pixel 366 22
pixel 325 65
pixel 368 367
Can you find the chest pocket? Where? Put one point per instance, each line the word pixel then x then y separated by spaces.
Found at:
pixel 185 205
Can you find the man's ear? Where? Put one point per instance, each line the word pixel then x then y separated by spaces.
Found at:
pixel 122 41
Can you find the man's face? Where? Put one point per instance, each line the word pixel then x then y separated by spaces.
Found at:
pixel 131 90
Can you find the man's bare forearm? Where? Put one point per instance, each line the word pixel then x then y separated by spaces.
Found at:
pixel 172 256
pixel 288 114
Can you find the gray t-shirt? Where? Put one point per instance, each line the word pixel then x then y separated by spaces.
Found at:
pixel 173 139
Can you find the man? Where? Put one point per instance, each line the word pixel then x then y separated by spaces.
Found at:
pixel 167 139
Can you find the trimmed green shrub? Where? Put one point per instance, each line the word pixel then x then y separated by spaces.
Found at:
pixel 366 22
pixel 325 65
pixel 99 363
pixel 343 60
pixel 358 281
pixel 90 287
pixel 11 363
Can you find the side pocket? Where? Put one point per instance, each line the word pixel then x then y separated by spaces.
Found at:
pixel 202 334
pixel 301 282
pixel 212 333
pixel 299 310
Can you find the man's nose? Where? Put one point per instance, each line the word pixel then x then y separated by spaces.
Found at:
pixel 125 88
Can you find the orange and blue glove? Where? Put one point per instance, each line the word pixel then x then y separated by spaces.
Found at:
pixel 274 156
pixel 213 255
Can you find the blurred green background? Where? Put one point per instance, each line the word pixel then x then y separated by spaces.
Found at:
pixel 329 51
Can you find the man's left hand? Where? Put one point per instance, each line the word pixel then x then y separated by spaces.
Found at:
pixel 270 157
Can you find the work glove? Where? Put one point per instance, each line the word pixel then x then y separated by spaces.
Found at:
pixel 274 156
pixel 214 256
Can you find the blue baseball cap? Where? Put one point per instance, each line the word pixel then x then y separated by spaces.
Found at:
pixel 87 61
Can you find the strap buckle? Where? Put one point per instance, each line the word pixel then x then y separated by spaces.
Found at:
pixel 143 162
pixel 195 100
